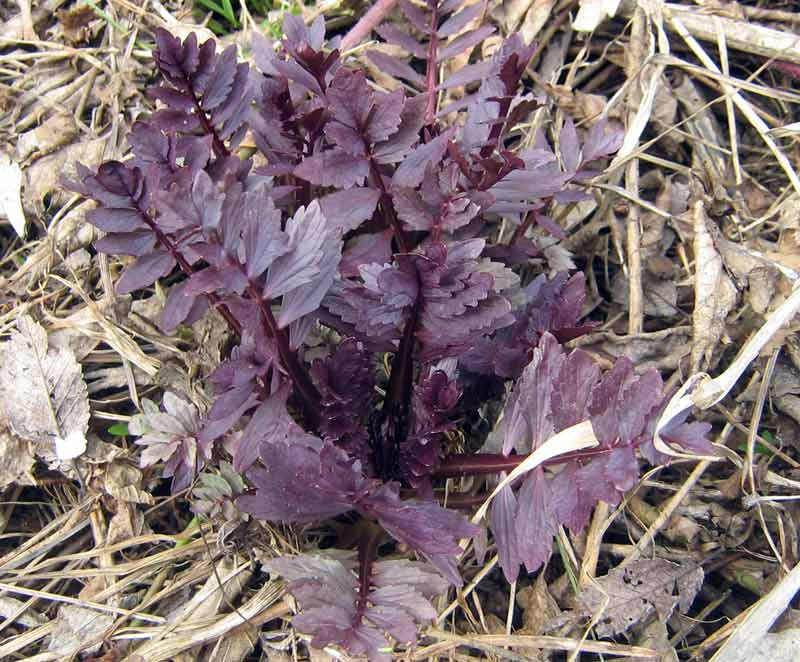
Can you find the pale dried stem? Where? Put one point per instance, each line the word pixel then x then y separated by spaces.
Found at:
pixel 594 537
pixel 756 621
pixel 722 45
pixel 485 570
pixel 28 31
pixel 741 35
pixel 741 103
pixel 748 470
pixel 99 532
pixel 666 512
pixel 633 231
pixel 264 606
pixel 89 604
pixel 540 642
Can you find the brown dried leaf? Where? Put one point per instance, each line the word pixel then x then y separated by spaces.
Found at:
pixel 637 591
pixel 124 483
pixel 662 350
pixel 74 627
pixel 128 522
pixel 536 18
pixel 714 292
pixel 42 390
pixel 660 296
pixel 76 22
pixel 654 636
pixel 44 175
pixel 236 645
pixel 18 460
pixel 538 606
pixel 46 138
pixel 752 268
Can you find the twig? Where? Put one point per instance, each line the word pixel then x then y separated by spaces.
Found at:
pixel 741 35
pixel 366 24
pixel 633 229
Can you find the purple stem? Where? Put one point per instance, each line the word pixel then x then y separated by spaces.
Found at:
pixel 186 268
pixel 493 463
pixel 430 73
pixel 305 388
pixel 367 553
pixel 217 143
pixel 366 24
pixel 387 208
pixel 398 393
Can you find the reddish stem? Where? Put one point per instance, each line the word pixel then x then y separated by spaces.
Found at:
pixel 367 553
pixel 305 388
pixel 186 268
pixel 430 72
pixel 492 463
pixel 398 393
pixel 387 208
pixel 217 143
pixel 530 217
pixel 366 24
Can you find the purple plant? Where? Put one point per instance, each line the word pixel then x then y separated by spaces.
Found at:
pixel 365 214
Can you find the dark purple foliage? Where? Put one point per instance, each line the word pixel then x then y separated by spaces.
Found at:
pixel 346 382
pixel 373 310
pixel 357 613
pixel 558 390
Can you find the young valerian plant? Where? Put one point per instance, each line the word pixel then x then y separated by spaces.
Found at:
pixel 367 215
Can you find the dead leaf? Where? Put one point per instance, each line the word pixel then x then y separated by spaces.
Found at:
pixel 539 13
pixel 124 483
pixel 220 590
pixel 580 106
pixel 315 654
pixel 702 124
pixel 70 233
pixel 592 13
pixel 714 293
pixel 42 390
pixel 558 258
pixel 44 175
pixel 128 522
pixel 777 647
pixel 660 296
pixel 18 460
pixel 665 111
pixel 639 590
pixel 47 137
pixel 662 350
pixel 236 645
pixel 510 13
pixel 539 607
pixel 10 194
pixel 114 378
pixel 76 22
pixel 74 627
pixel 753 269
pixel 10 606
pixel 655 636
pixel 74 330
pixel 789 405
pixel 789 213
pixel 99 451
